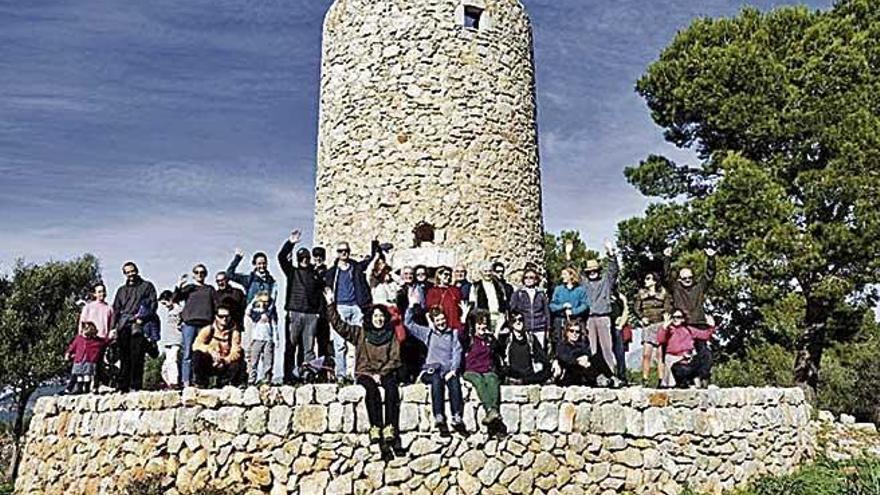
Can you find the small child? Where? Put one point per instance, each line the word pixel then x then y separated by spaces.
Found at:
pixel 85 351
pixel 265 319
pixel 171 339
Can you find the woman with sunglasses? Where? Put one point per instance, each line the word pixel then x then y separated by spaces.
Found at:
pixel 198 312
pixel 685 365
pixel 573 355
pixel 652 307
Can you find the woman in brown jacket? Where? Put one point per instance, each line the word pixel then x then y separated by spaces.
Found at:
pixel 377 361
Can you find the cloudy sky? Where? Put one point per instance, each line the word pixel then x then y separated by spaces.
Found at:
pixel 172 132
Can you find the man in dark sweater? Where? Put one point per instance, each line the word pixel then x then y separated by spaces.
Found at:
pixel 134 301
pixel 689 292
pixel 198 312
pixel 303 304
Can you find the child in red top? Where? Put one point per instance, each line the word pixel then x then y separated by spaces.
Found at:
pixel 685 366
pixel 85 351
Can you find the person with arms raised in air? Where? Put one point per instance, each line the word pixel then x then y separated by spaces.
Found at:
pixel 523 359
pixel 198 311
pixel 135 296
pixel 569 303
pixel 258 280
pixel 531 301
pixel 351 291
pixel 481 368
pixel 303 305
pixel 652 307
pixel 686 365
pixel 600 287
pixel 442 364
pixel 377 360
pixel 98 311
pixel 171 339
pixel 689 293
pixel 217 352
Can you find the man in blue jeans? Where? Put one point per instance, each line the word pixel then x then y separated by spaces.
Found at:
pixel 441 367
pixel 348 280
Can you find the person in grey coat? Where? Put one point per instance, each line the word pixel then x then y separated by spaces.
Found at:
pixel 600 286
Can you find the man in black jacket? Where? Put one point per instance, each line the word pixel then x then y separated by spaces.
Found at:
pixel 524 361
pixel 303 304
pixel 134 302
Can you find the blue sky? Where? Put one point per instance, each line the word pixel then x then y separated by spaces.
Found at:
pixel 173 132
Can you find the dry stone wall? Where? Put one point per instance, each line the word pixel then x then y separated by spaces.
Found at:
pixel 311 439
pixel 424 120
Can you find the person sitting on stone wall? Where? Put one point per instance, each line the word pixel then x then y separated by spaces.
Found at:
pixel 442 364
pixel 523 359
pixel 481 364
pixel 531 301
pixel 446 296
pixel 351 291
pixel 377 360
pixel 686 364
pixel 460 280
pixel 217 352
pixel 569 303
pixel 573 356
pixel 488 294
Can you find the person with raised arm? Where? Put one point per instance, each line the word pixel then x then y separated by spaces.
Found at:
pixel 600 286
pixel 198 311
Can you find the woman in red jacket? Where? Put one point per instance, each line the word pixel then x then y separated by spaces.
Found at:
pixel 684 365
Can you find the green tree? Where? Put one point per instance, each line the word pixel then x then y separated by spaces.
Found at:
pixel 38 318
pixel 554 254
pixel 783 112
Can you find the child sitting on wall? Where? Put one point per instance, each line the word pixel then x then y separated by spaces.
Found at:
pixel 85 351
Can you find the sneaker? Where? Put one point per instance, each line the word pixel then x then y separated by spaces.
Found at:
pixel 375 434
pixel 601 381
pixel 615 382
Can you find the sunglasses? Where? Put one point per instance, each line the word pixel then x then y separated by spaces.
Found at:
pixel 686 279
pixel 224 317
pixel 199 272
pixel 221 280
pixel 574 331
pixel 129 272
pixel 343 251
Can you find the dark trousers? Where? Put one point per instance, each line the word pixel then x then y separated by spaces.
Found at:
pixel 412 353
pixel 132 347
pixel 374 404
pixel 699 366
pixel 619 349
pixel 439 384
pixel 322 337
pixel 300 341
pixel 204 370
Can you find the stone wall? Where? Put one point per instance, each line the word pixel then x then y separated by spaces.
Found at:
pixel 422 119
pixel 310 440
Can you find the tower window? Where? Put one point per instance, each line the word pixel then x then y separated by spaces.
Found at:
pixel 472 16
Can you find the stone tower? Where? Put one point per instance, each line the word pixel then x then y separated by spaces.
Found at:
pixel 428 114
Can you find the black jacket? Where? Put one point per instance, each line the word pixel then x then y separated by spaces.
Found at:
pixel 128 300
pixel 304 285
pixel 482 299
pixel 234 297
pixel 358 275
pixel 691 299
pixel 519 358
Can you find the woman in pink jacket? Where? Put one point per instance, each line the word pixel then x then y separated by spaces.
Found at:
pixel 684 365
pixel 98 312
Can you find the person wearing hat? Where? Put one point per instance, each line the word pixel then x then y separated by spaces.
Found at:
pixel 600 286
pixel 488 294
pixel 303 305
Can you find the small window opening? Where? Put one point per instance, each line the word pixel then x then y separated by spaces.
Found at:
pixel 472 16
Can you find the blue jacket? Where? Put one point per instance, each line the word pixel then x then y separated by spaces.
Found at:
pixel 253 284
pixel 444 348
pixel 577 297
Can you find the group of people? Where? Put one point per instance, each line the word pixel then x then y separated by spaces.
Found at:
pixel 402 326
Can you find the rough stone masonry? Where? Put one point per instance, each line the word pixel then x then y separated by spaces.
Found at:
pixel 423 119
pixel 311 440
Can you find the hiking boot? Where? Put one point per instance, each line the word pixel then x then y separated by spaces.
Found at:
pixel 442 429
pixel 375 434
pixel 458 425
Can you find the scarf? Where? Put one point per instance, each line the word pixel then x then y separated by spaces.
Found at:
pixel 379 337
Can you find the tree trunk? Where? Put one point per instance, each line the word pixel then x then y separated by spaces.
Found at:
pixel 18 431
pixel 809 351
